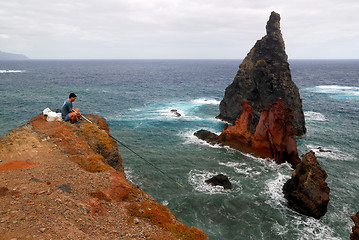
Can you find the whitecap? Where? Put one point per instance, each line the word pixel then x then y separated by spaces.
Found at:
pixel 268 164
pixel 11 71
pixel 314 116
pixel 247 171
pixel 337 91
pixel 241 168
pixel 232 164
pixel 310 228
pixel 330 152
pixel 130 175
pixel 274 192
pixel 204 101
pixel 189 138
pixel 168 111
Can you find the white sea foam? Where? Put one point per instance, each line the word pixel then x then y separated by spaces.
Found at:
pixel 204 101
pixel 330 152
pixel 310 228
pixel 279 229
pixel 232 164
pixel 314 116
pixel 336 91
pixel 190 138
pixel 197 179
pixel 167 111
pixel 241 168
pixel 129 174
pixel 11 71
pixel 274 190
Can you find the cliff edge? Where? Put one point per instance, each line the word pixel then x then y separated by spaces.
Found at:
pixel 62 180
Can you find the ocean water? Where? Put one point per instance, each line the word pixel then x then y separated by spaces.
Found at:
pixel 137 96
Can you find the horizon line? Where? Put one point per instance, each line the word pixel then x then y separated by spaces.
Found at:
pixel 158 59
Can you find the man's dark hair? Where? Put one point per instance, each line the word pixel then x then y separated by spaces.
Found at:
pixel 72 95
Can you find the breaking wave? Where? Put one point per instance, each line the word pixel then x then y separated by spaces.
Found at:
pixel 179 110
pixel 11 71
pixel 314 116
pixel 197 179
pixel 337 92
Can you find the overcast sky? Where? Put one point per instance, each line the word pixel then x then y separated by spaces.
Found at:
pixel 175 29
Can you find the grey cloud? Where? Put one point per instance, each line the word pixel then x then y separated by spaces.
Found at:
pixel 171 28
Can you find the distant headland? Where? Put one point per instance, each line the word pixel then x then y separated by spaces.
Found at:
pixel 12 56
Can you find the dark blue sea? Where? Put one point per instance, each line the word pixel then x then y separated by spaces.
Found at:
pixel 137 96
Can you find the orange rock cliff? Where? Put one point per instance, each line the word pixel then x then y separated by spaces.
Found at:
pixel 274 136
pixel 62 180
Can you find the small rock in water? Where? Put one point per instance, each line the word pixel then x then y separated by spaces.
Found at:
pixel 221 180
pixel 176 112
pixel 323 150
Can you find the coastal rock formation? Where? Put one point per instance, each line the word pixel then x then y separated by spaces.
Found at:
pixel 355 234
pixel 208 136
pixel 262 78
pixel 66 181
pixel 307 192
pixel 220 180
pixel 274 136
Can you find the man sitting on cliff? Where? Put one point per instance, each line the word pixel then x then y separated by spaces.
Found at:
pixel 68 112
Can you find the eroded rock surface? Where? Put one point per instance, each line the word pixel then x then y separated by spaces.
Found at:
pixel 66 181
pixel 262 78
pixel 274 136
pixel 307 192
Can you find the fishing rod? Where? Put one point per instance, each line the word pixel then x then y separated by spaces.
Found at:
pixel 142 158
pixel 82 115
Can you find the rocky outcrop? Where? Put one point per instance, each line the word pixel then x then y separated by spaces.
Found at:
pixel 355 234
pixel 220 180
pixel 176 113
pixel 262 78
pixel 274 136
pixel 207 136
pixel 307 192
pixel 61 180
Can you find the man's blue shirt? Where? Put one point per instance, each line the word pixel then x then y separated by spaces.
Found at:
pixel 66 108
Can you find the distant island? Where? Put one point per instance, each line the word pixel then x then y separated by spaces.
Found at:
pixel 12 56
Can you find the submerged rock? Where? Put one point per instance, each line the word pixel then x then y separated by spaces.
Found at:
pixel 307 192
pixel 323 150
pixel 262 78
pixel 174 111
pixel 220 180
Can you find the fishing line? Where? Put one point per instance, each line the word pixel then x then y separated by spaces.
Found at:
pixel 142 158
pixel 146 160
